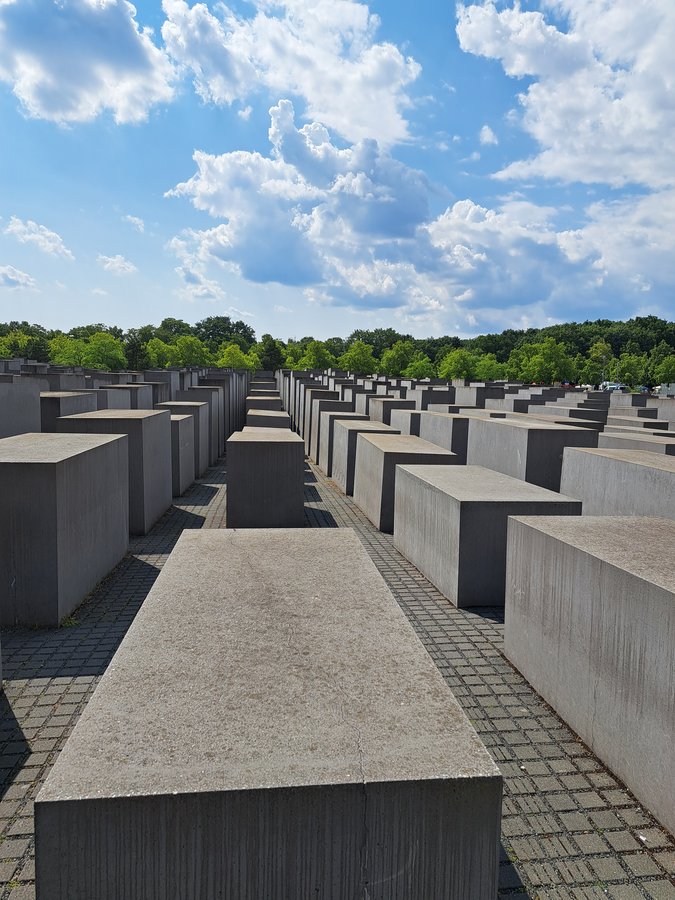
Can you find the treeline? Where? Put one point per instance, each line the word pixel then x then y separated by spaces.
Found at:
pixel 640 351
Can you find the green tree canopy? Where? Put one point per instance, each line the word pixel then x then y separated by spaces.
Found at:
pixel 665 371
pixel 458 364
pixel 397 357
pixel 66 351
pixel 359 358
pixel 190 351
pixel 270 352
pixel 161 354
pixel 420 366
pixel 104 351
pixel 316 356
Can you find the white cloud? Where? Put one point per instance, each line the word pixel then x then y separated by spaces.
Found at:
pixel 14 278
pixel 69 61
pixel 487 135
pixel 323 51
pixel 99 292
pixel 31 233
pixel 138 224
pixel 245 113
pixel 282 309
pixel 118 265
pixel 600 103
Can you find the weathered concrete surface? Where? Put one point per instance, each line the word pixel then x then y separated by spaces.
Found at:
pixel 590 622
pixel 265 479
pixel 54 404
pixel 407 421
pixel 450 522
pixel 620 482
pixel 377 457
pixel 446 430
pixel 182 453
pixel 19 408
pixel 345 434
pixel 321 405
pixel 200 414
pixel 106 399
pixel 253 402
pixel 532 452
pixel 381 407
pixel 339 767
pixel 636 422
pixel 328 420
pixel 268 418
pixel 362 402
pixel 140 395
pixel 311 394
pixel 215 396
pixel 64 522
pixel 613 441
pixel 149 445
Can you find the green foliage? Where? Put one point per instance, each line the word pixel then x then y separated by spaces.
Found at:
pixel 17 343
pixel 359 358
pixel 161 354
pixel 595 367
pixel 316 356
pixel 488 369
pixel 270 352
pixel 665 371
pixel 458 364
pixel 66 351
pixel 215 331
pixel 104 351
pixel 397 357
pixel 630 368
pixel 546 362
pixel 380 339
pixel 420 366
pixel 336 346
pixel 231 356
pixel 190 351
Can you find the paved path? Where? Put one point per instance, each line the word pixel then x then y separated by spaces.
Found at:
pixel 570 830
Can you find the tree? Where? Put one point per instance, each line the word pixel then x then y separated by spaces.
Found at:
pixel 161 354
pixel 17 344
pixel 488 369
pixel 66 351
pixel 316 356
pixel 397 357
pixel 420 366
pixel 336 346
pixel 85 332
pixel 104 351
pixel 458 364
pixel 231 356
pixel 598 362
pixel 270 353
pixel 169 329
pixel 359 358
pixel 135 350
pixel 190 351
pixel 218 330
pixel 631 369
pixel 380 339
pixel 545 362
pixel 665 371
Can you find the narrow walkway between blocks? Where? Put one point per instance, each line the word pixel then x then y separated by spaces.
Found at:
pixel 570 830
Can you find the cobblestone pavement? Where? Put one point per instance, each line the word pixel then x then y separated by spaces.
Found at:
pixel 570 830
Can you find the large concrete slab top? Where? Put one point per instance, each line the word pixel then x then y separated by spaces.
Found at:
pixel 118 414
pixel 256 434
pixel 49 447
pixel 404 443
pixel 614 540
pixel 631 457
pixel 251 687
pixel 481 485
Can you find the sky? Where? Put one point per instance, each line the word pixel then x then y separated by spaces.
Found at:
pixel 317 166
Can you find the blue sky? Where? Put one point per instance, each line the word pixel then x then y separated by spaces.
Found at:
pixel 316 166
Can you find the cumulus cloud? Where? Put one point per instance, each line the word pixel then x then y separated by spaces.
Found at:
pixel 138 224
pixel 323 51
pixel 31 233
pixel 599 104
pixel 118 265
pixel 487 135
pixel 69 61
pixel 14 278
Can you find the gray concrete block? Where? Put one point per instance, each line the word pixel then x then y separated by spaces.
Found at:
pixel 253 402
pixel 321 405
pixel 446 430
pixel 170 376
pixel 54 404
pixel 362 402
pixel 381 407
pixel 106 399
pixel 296 741
pixel 140 395
pixel 636 422
pixel 590 622
pixel 64 522
pixel 208 394
pixel 182 453
pixel 450 522
pixel 265 479
pixel 345 434
pixel 609 441
pixel 19 407
pixel 530 451
pixel 310 395
pixel 149 445
pixel 377 458
pixel 161 390
pixel 620 482
pixel 268 418
pixel 328 420
pixel 407 421
pixel 200 414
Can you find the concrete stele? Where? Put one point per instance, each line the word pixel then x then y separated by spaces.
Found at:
pixel 340 764
pixel 450 523
pixel 590 622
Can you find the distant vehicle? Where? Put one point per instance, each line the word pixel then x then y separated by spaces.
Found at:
pixel 613 386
